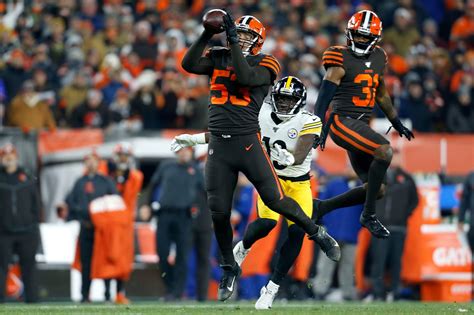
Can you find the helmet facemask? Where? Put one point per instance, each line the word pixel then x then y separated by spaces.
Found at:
pixel 247 40
pixel 361 47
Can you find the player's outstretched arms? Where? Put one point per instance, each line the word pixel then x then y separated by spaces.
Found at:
pixel 186 140
pixel 194 61
pixel 246 75
pixel 384 100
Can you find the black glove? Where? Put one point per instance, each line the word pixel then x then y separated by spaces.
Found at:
pixel 321 141
pixel 402 130
pixel 230 29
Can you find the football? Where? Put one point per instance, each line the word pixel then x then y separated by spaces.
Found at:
pixel 213 21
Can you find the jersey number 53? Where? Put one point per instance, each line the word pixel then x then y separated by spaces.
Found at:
pixel 224 97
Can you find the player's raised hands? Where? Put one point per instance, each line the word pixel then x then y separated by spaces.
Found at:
pixel 230 29
pixel 187 140
pixel 282 156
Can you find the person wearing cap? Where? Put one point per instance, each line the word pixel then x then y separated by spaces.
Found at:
pixel 19 217
pixel 128 181
pixel 28 112
pixel 174 188
pixel 90 186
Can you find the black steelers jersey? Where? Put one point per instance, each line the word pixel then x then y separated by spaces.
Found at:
pixel 355 96
pixel 233 108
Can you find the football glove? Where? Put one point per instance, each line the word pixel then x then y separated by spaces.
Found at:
pixel 186 140
pixel 321 140
pixel 230 29
pixel 402 130
pixel 282 156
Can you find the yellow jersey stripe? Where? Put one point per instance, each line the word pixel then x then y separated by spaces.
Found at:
pixel 316 131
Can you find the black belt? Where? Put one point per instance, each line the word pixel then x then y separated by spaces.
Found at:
pixel 301 178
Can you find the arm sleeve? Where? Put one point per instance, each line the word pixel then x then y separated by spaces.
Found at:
pixel 155 180
pixel 75 210
pixel 194 61
pixel 326 93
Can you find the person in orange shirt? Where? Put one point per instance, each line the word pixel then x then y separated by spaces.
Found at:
pixel 463 28
pixel 128 181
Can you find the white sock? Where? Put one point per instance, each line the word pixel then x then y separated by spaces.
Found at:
pixel 272 286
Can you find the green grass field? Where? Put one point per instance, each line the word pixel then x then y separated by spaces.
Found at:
pixel 242 308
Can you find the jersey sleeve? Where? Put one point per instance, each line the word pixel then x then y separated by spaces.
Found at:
pixel 271 64
pixel 333 57
pixel 312 125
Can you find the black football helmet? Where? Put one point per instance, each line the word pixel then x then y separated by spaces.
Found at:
pixel 288 97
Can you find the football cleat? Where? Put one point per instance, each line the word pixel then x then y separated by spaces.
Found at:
pixel 228 281
pixel 240 253
pixel 371 223
pixel 266 298
pixel 328 244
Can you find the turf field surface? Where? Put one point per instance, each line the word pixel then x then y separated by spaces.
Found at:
pixel 279 307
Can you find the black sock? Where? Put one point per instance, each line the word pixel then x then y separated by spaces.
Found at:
pixel 377 171
pixel 120 288
pixel 224 235
pixel 350 198
pixel 291 210
pixel 256 230
pixel 288 253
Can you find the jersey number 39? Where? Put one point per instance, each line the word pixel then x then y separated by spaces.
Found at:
pixel 244 100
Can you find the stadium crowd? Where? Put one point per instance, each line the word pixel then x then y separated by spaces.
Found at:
pixel 115 64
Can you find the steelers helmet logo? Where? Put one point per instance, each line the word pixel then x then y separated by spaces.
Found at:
pixel 292 133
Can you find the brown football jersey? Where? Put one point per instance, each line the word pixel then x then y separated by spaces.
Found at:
pixel 233 108
pixel 355 96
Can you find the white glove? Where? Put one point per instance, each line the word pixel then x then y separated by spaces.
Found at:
pixel 282 156
pixel 186 140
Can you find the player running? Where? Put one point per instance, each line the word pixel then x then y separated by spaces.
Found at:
pixel 240 79
pixel 353 83
pixel 288 133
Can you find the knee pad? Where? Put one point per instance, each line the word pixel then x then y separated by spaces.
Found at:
pixel 384 153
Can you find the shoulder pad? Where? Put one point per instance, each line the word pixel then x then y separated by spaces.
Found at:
pixel 382 51
pixel 269 62
pixel 334 56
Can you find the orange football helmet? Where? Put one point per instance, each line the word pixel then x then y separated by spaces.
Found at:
pixel 250 24
pixel 367 25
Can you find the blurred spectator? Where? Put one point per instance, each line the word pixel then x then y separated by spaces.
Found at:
pixel 403 34
pixel 413 105
pixel 145 45
pixel 461 112
pixel 463 28
pixel 73 95
pixel 120 114
pixel 93 113
pixel 343 224
pixel 28 112
pixel 128 181
pixel 175 186
pixel 19 217
pixel 14 74
pixel 145 102
pixel 90 186
pixel 394 209
pixel 467 206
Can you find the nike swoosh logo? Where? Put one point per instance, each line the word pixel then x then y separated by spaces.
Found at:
pixel 249 147
pixel 231 288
